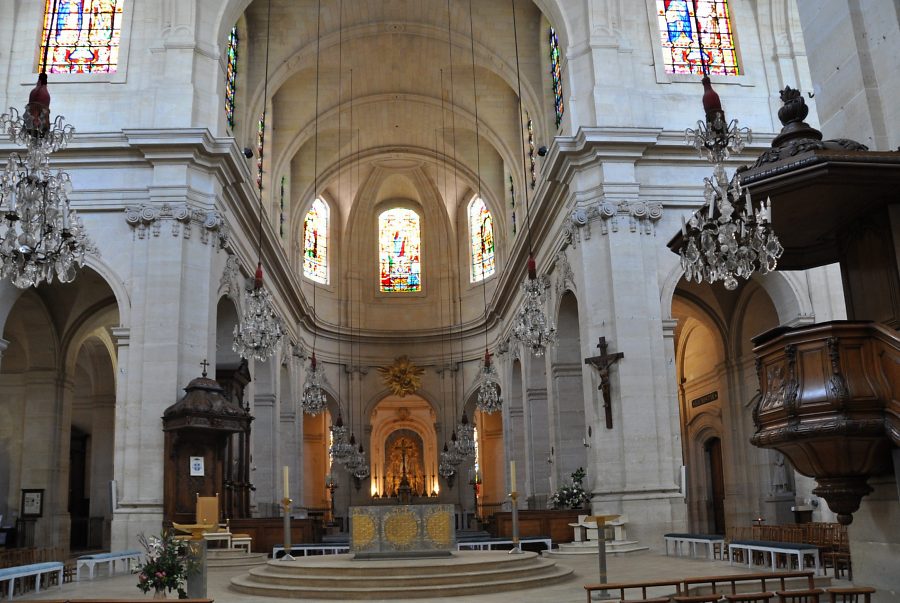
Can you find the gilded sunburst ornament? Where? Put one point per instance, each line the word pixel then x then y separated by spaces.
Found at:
pixel 403 377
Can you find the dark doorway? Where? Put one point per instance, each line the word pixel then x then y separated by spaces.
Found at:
pixel 79 505
pixel 713 448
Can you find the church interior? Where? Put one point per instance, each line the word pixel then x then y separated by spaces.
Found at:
pixel 516 264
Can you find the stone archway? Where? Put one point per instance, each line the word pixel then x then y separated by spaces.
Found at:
pixel 399 421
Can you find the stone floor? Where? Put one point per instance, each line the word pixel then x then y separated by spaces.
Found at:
pixel 635 567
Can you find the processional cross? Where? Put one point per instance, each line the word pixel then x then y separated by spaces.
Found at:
pixel 602 363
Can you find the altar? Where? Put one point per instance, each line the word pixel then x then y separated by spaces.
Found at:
pixel 402 531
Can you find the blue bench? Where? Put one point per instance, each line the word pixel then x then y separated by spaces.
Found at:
pixel 800 550
pixel 323 548
pixel 35 569
pixel 488 544
pixel 712 542
pixel 126 557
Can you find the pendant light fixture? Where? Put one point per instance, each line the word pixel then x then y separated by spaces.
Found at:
pixel 488 399
pixel 531 326
pixel 260 331
pixel 449 457
pixel 41 238
pixel 313 400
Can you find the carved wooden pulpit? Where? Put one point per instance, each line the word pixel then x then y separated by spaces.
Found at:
pixel 198 429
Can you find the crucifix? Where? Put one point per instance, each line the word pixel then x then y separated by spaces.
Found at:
pixel 205 366
pixel 602 363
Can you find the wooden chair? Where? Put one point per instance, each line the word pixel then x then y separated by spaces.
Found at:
pixel 207 510
pixel 800 596
pixel 750 597
pixel 714 598
pixel 853 594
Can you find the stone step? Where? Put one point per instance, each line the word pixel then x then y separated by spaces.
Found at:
pixel 465 573
pixel 539 566
pixel 460 562
pixel 234 558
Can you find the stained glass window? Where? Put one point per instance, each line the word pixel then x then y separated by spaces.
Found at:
pixel 315 242
pixel 684 51
pixel 81 36
pixel 481 233
pixel 512 202
pixel 281 216
pixel 532 154
pixel 231 75
pixel 556 74
pixel 260 150
pixel 399 245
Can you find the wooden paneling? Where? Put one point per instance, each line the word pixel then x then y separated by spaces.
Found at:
pixel 266 532
pixel 554 524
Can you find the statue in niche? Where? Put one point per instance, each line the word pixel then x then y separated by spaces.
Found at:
pixel 780 481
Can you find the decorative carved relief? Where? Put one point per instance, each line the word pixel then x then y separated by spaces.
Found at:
pixel 230 283
pixel 836 385
pixel 146 221
pixel 638 216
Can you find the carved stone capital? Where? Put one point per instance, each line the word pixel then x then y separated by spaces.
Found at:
pixel 637 216
pixel 146 221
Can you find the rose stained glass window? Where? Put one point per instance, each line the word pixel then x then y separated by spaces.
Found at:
pixel 315 242
pixel 697 37
pixel 81 36
pixel 399 248
pixel 481 233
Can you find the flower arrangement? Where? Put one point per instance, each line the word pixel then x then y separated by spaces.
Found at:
pixel 166 566
pixel 571 496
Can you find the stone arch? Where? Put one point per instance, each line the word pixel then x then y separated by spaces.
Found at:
pixel 411 413
pixel 567 381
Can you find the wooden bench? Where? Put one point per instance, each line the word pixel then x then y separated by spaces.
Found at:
pixel 623 587
pixel 488 544
pixel 144 600
pixel 799 550
pixel 734 583
pixel 712 542
pixel 110 559
pixel 323 549
pixel 11 574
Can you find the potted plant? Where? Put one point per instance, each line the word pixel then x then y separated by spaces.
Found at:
pixel 167 563
pixel 571 495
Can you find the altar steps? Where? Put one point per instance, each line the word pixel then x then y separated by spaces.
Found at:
pixel 589 547
pixel 230 558
pixel 340 577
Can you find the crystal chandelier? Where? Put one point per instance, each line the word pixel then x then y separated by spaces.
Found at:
pixel 43 238
pixel 729 236
pixel 532 327
pixel 465 439
pixel 447 466
pixel 358 465
pixel 341 448
pixel 313 400
pixel 488 400
pixel 260 331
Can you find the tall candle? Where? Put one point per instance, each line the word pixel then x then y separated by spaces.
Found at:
pixel 286 488
pixel 512 476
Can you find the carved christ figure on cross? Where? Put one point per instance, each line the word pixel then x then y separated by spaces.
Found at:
pixel 602 363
